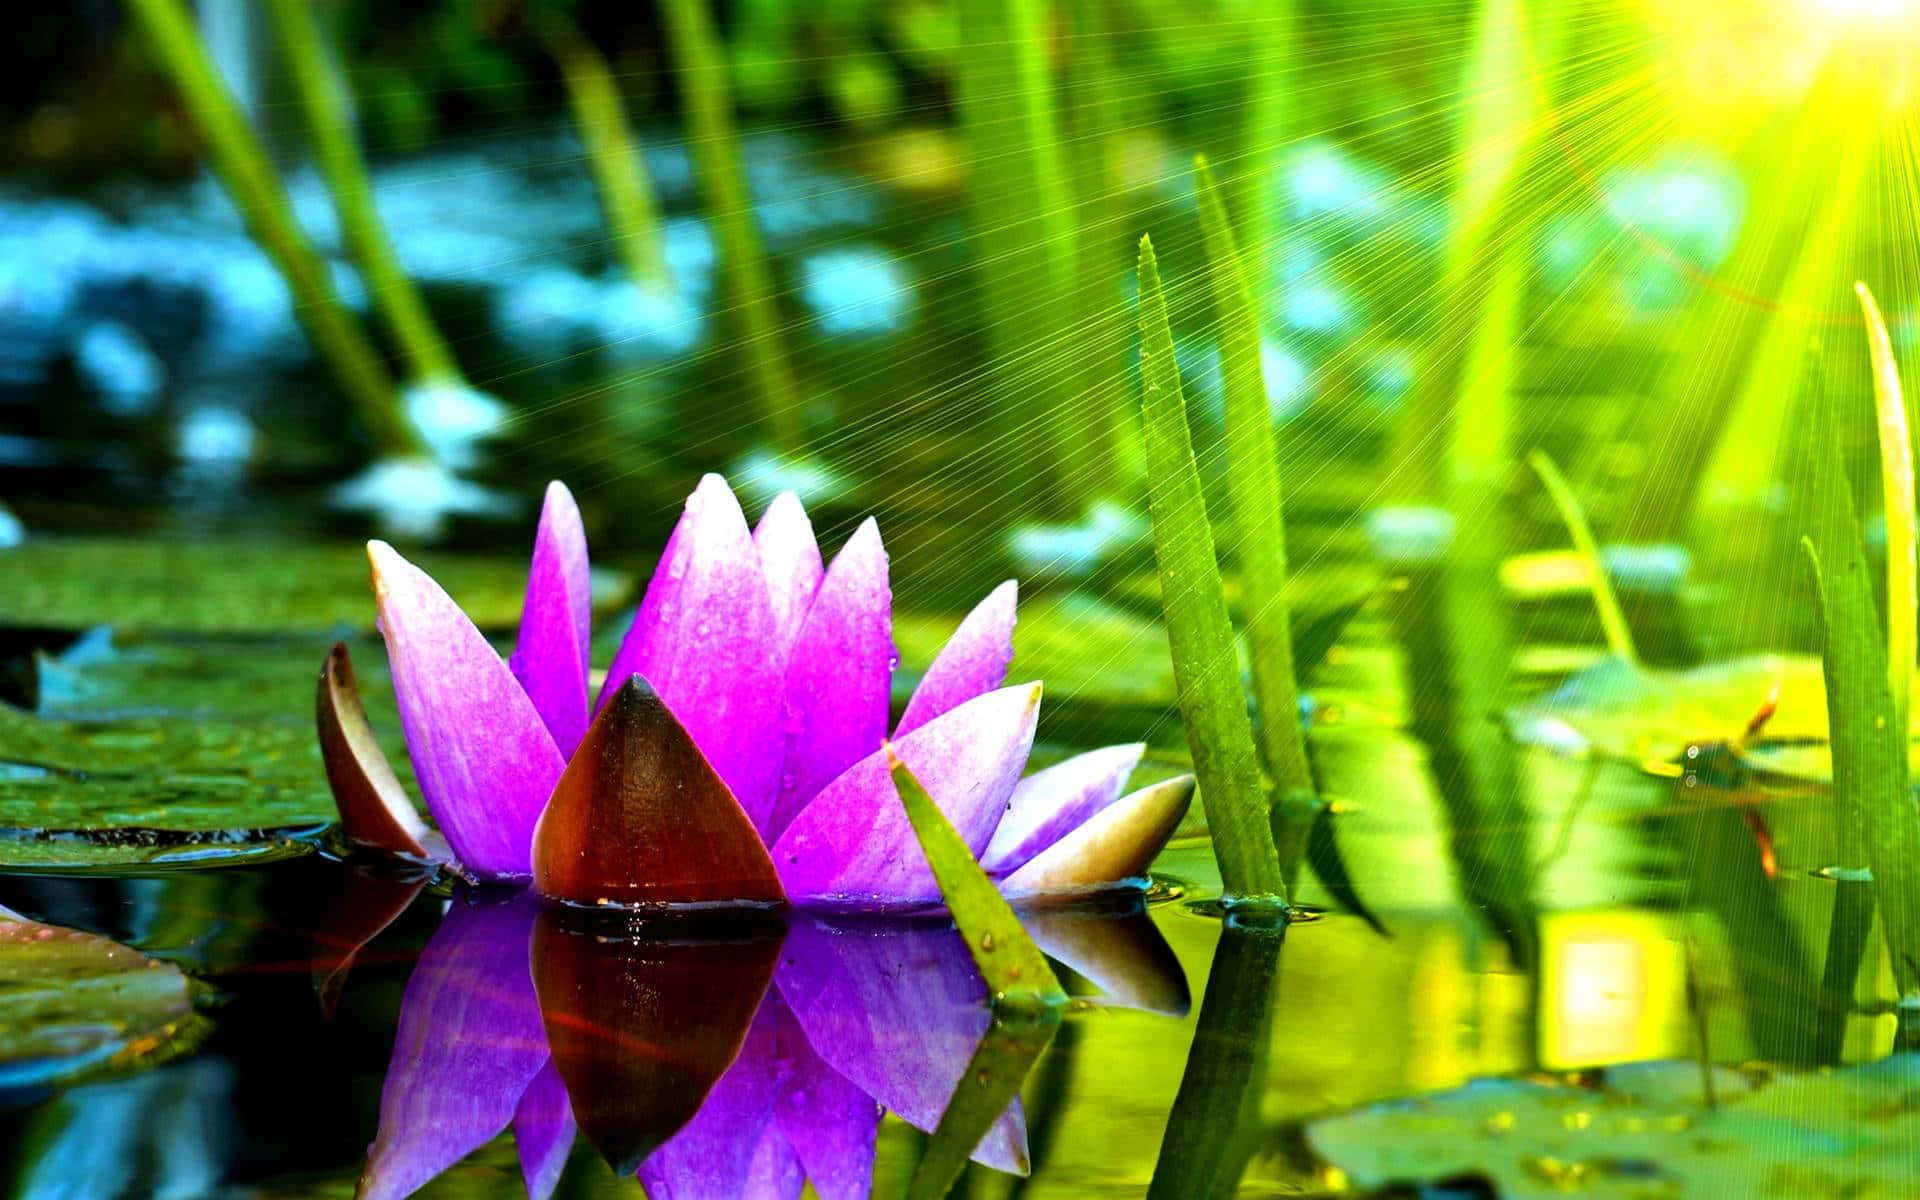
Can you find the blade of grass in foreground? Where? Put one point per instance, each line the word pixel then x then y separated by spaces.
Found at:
pixel 1896 483
pixel 1206 663
pixel 1027 998
pixel 626 194
pixel 323 104
pixel 1260 539
pixel 1874 802
pixel 249 178
pixel 1016 972
pixel 1613 621
pixel 700 69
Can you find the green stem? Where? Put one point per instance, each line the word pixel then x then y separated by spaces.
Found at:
pixel 1206 662
pixel 619 171
pixel 1253 479
pixel 243 167
pixel 1023 233
pixel 700 69
pixel 1613 619
pixel 324 106
pixel 1095 111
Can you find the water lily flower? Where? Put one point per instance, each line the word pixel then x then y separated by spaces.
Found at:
pixel 737 750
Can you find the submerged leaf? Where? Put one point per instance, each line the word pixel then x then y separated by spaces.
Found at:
pixel 640 817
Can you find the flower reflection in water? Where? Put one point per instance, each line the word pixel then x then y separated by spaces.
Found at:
pixel 743 1062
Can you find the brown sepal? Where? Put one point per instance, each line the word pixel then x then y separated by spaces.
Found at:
pixel 374 809
pixel 640 818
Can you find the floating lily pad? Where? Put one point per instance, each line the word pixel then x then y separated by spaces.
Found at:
pixel 173 750
pixel 1647 1131
pixel 239 587
pixel 157 789
pixel 1623 710
pixel 73 1004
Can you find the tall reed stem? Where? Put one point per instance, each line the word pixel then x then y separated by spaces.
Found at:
pixel 1023 233
pixel 325 108
pixel 1206 661
pixel 249 177
pixel 1260 538
pixel 700 69
pixel 619 171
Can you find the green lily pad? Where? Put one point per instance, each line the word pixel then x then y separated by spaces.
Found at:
pixel 1647 1131
pixel 157 750
pixel 155 789
pixel 1622 710
pixel 74 1005
pixel 239 587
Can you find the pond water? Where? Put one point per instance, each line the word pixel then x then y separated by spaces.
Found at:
pixel 1489 909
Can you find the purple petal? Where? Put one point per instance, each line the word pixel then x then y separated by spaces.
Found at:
pixel 469 1042
pixel 839 676
pixel 1050 803
pixel 704 637
pixel 543 1129
pixel 776 1172
pixel 830 1123
pixel 791 559
pixel 898 1010
pixel 972 663
pixel 853 846
pixel 482 755
pixel 712 1155
pixel 1112 849
pixel 551 657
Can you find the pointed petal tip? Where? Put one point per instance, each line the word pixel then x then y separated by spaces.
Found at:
pixel 1112 849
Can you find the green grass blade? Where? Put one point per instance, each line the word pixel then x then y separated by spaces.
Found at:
pixel 1016 972
pixel 1206 663
pixel 324 107
pixel 244 168
pixel 619 172
pixel 1877 818
pixel 1000 1063
pixel 1896 483
pixel 1260 539
pixel 1613 621
pixel 700 69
